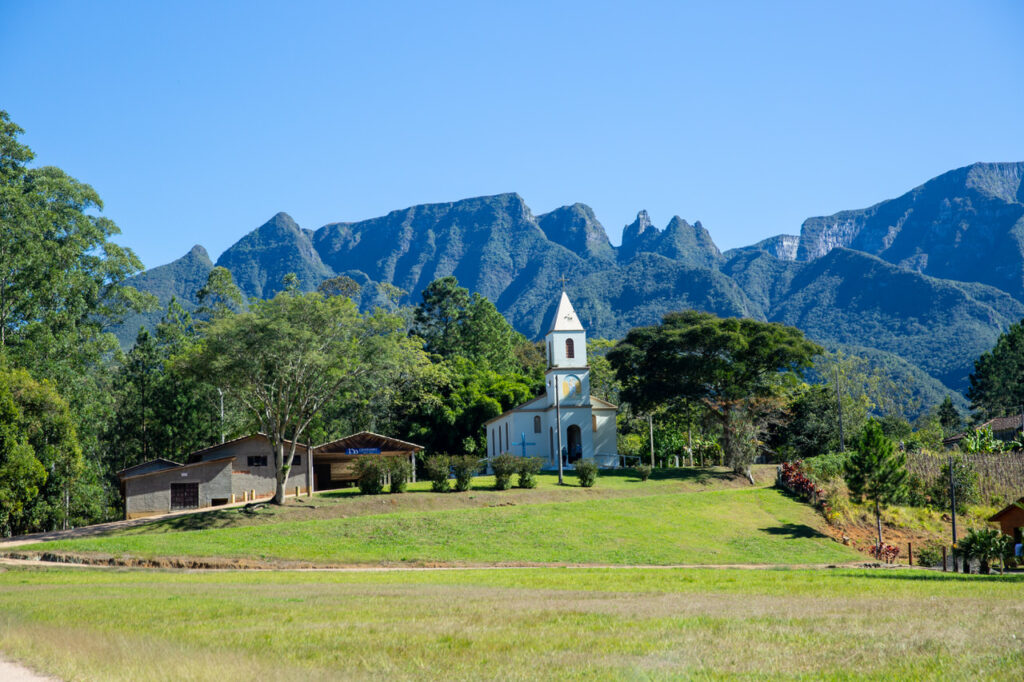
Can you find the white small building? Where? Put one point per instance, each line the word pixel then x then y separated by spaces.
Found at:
pixel 587 429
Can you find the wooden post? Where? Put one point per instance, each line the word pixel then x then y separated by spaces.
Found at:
pixel 943 558
pixel 910 555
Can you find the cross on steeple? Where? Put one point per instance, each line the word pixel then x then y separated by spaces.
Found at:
pixel 563 282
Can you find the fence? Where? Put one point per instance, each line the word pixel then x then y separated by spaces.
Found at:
pixel 1000 476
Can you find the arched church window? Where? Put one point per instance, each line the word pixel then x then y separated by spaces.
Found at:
pixel 570 350
pixel 536 424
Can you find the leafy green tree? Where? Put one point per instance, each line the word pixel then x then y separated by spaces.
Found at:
pixel 287 357
pixel 21 474
pixel 61 278
pixel 734 367
pixel 981 440
pixel 220 295
pixel 339 286
pixel 71 494
pixel 604 383
pixel 997 383
pixel 875 471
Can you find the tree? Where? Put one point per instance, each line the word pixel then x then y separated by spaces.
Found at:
pixel 875 471
pixel 734 367
pixel 949 417
pixel 997 383
pixel 286 357
pixel 132 433
pixel 61 278
pixel 452 323
pixel 220 295
pixel 339 286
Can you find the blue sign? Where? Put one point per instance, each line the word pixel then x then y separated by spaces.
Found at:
pixel 362 451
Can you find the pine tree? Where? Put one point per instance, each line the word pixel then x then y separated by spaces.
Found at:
pixel 875 471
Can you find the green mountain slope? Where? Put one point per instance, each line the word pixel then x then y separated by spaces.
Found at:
pixel 854 298
pixel 966 225
pixel 260 260
pixel 179 279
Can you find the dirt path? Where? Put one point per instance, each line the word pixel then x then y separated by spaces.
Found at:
pixel 13 672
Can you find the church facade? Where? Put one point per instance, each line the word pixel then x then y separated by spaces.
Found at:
pixel 566 418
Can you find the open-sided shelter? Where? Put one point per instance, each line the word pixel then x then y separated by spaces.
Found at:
pixel 334 463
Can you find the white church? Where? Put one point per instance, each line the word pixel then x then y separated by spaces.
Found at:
pixel 566 416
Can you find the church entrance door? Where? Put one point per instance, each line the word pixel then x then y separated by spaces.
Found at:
pixel 575 443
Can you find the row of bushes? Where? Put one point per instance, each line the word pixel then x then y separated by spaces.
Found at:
pixel 375 472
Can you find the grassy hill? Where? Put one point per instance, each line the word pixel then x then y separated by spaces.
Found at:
pixel 623 521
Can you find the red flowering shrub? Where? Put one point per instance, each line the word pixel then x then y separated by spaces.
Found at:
pixel 792 478
pixel 886 553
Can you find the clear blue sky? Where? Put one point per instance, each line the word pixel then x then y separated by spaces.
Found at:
pixel 197 121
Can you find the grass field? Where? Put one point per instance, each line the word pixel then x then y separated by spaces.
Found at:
pixel 730 526
pixel 91 624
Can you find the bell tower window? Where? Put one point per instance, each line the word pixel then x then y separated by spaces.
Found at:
pixel 570 350
pixel 536 424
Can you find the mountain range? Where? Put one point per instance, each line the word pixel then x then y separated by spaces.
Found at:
pixel 922 284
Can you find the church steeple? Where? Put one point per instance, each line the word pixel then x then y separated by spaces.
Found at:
pixel 566 338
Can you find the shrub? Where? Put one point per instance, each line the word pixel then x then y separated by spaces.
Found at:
pixel 886 553
pixel 643 471
pixel 965 484
pixel 437 468
pixel 528 469
pixel 464 467
pixel 504 466
pixel 586 472
pixel 985 545
pixel 401 471
pixel 826 468
pixel 372 471
pixel 929 555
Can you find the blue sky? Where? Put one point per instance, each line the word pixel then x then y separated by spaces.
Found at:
pixel 197 121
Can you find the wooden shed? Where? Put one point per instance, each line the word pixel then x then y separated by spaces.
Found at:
pixel 334 463
pixel 1011 520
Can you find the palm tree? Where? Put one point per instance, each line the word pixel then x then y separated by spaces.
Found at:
pixel 985 545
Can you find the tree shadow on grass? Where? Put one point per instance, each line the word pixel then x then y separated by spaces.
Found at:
pixel 794 531
pixel 690 474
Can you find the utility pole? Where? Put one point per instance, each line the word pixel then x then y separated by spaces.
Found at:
pixel 221 414
pixel 650 426
pixel 952 505
pixel 839 403
pixel 558 428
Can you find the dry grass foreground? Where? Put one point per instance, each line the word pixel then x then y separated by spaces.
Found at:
pixel 512 624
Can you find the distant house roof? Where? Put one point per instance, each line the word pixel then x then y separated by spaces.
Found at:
pixel 1014 506
pixel 158 464
pixel 998 425
pixel 1011 423
pixel 368 439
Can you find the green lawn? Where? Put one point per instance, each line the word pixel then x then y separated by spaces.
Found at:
pixel 740 526
pixel 515 624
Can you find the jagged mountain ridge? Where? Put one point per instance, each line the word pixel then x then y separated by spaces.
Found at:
pixel 497 247
pixel 967 225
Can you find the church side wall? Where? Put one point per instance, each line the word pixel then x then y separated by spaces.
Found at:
pixel 605 440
